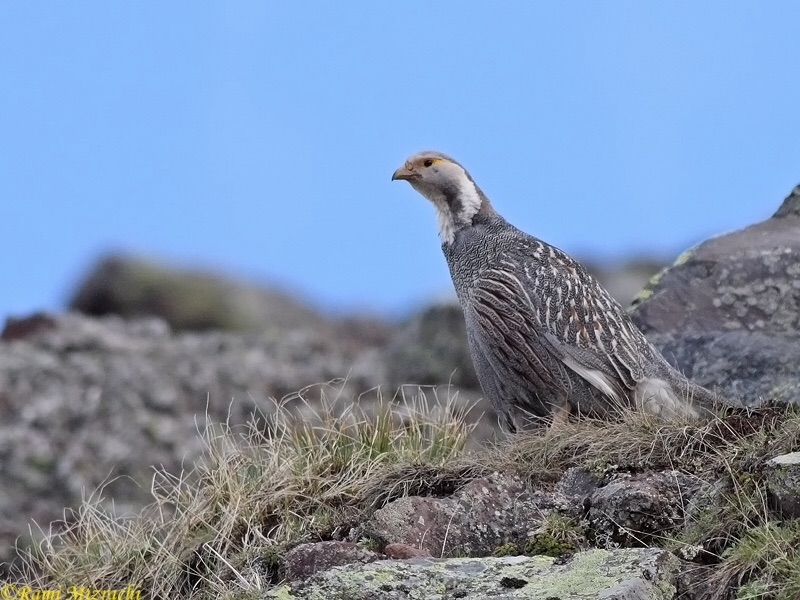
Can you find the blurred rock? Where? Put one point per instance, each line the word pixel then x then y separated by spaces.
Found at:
pixel 432 349
pixel 17 329
pixel 306 559
pixel 727 313
pixel 186 299
pixel 84 400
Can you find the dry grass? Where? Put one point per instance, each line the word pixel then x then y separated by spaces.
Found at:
pixel 305 471
pixel 637 441
pixel 314 467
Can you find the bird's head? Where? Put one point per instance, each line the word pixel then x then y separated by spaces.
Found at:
pixel 448 186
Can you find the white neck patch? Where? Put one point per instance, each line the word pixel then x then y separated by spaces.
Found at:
pixel 470 203
pixel 470 200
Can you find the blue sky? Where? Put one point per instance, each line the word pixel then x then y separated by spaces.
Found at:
pixel 258 138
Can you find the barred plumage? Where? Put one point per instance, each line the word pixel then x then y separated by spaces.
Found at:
pixel 544 336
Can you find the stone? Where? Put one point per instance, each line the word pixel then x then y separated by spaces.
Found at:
pixel 792 458
pixel 623 574
pixel 573 490
pixel 727 313
pixel 485 514
pixel 186 299
pixel 782 477
pixel 18 329
pixel 632 509
pixel 696 582
pixel 404 551
pixel 431 348
pixel 304 560
pixel 747 368
pixel 790 206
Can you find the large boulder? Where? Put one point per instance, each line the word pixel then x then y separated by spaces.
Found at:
pixel 195 300
pixel 186 299
pixel 627 574
pixel 727 313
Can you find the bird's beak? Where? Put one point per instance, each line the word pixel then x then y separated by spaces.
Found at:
pixel 404 173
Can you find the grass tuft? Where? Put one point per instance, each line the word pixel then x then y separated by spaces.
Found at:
pixel 305 471
pixel 315 468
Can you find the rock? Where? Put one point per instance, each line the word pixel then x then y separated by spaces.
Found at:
pixel 727 313
pixel 790 206
pixel 782 476
pixel 186 299
pixel 485 514
pixel 747 368
pixel 306 559
pixel 17 329
pixel 793 458
pixel 576 487
pixel 632 509
pixel 432 349
pixel 404 551
pixel 628 574
pixel 696 582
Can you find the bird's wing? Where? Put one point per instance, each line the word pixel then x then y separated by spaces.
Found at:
pixel 537 302
pixel 514 371
pixel 491 382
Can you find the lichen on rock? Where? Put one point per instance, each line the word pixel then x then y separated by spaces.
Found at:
pixel 627 574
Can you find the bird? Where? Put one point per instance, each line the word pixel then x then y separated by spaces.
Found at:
pixel 546 339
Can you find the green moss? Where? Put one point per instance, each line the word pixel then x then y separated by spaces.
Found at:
pixel 683 258
pixel 558 536
pixel 586 576
pixel 643 296
pixel 655 280
pixel 506 550
pixel 282 593
pixel 647 291
pixel 371 544
pixel 547 545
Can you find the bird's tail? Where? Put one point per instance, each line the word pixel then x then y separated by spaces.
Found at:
pixel 675 396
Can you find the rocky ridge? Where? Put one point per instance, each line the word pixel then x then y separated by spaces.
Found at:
pixel 727 313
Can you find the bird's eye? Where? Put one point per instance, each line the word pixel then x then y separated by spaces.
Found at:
pixel 428 162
